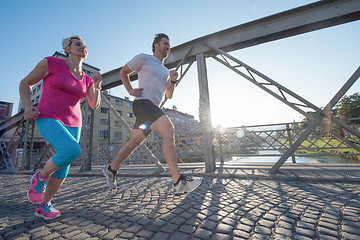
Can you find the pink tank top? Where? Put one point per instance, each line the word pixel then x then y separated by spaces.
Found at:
pixel 62 93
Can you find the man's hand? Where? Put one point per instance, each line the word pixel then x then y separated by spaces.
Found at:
pixel 173 75
pixel 136 92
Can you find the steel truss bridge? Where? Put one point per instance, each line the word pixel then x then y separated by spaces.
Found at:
pixel 209 143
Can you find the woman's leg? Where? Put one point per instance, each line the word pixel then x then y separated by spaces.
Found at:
pixel 52 187
pixel 65 140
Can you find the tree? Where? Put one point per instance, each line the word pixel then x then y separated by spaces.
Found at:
pixel 349 107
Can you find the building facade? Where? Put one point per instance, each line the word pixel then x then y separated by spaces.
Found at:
pixel 183 122
pixel 110 121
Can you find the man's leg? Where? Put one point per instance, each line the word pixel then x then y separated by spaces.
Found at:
pixel 165 128
pixel 182 184
pixel 109 171
pixel 136 138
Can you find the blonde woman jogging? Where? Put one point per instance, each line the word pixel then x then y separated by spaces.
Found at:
pixel 58 117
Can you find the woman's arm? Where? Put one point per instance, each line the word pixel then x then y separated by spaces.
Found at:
pixel 39 72
pixel 93 93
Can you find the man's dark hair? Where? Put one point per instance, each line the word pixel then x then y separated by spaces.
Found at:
pixel 158 38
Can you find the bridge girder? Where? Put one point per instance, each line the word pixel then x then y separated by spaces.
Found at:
pixel 293 22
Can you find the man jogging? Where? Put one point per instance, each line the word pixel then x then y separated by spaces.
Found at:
pixel 155 81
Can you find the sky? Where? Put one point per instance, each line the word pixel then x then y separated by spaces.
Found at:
pixel 314 65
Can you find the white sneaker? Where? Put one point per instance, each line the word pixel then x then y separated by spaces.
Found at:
pixel 187 184
pixel 110 177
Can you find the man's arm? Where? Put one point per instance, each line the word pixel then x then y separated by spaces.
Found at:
pixel 124 76
pixel 170 86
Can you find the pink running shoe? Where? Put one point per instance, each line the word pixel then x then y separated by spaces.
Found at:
pixel 47 211
pixel 37 188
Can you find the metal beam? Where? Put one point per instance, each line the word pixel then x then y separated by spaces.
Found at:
pixel 311 17
pixel 10 123
pixel 205 114
pixel 293 22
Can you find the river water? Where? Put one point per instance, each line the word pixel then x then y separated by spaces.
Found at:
pixel 315 159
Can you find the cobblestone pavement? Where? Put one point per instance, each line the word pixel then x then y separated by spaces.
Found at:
pixel 222 208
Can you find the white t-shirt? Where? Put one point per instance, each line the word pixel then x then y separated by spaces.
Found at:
pixel 152 76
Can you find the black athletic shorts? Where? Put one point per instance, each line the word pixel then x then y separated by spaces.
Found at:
pixel 146 112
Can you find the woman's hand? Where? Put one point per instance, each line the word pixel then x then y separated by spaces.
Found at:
pixel 30 113
pixel 97 79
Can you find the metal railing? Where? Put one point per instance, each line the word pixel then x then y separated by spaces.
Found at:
pixel 258 141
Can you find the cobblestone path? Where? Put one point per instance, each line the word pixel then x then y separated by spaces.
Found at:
pixel 145 208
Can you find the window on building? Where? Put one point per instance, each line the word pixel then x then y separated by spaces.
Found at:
pixel 118 102
pixel 104 134
pixel 129 105
pixel 104 110
pixel 120 112
pixel 104 121
pixel 129 115
pixel 118 123
pixel 118 135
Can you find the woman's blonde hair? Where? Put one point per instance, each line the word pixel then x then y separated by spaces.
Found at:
pixel 67 42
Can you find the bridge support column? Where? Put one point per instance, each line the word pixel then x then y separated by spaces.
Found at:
pixel 205 114
pixel 86 145
pixel 28 141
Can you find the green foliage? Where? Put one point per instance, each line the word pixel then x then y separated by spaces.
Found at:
pixel 349 107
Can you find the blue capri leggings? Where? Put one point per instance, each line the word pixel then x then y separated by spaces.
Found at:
pixel 66 142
